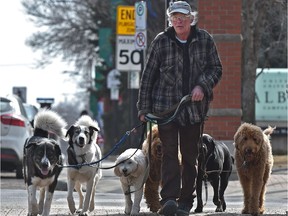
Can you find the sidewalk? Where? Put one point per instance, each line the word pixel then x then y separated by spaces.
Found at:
pixel 109 199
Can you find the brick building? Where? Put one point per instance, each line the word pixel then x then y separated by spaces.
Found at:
pixel 222 19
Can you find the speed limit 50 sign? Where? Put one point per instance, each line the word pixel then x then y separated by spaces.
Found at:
pixel 127 57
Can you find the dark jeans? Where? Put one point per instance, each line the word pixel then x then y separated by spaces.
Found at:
pixel 173 174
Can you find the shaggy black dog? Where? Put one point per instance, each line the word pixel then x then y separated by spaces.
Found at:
pixel 215 166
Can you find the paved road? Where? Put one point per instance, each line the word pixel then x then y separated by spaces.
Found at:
pixel 110 201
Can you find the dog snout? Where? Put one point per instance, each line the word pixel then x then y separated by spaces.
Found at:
pixel 248 151
pixel 45 162
pixel 124 170
pixel 81 140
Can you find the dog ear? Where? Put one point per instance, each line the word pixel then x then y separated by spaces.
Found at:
pixel 211 144
pixel 92 129
pixel 70 132
pixel 57 148
pixel 141 164
pixel 117 171
pixel 30 144
pixel 238 137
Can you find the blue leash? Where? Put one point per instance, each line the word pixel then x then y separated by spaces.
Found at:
pixel 159 119
pixel 116 146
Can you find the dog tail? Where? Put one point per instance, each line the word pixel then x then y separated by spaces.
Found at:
pixel 87 121
pixel 47 121
pixel 269 130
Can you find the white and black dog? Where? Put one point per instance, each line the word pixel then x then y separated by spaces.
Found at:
pixel 42 161
pixel 83 149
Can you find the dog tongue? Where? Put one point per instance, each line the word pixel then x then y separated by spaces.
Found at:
pixel 44 171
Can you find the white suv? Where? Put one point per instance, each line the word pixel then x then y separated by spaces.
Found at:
pixel 15 129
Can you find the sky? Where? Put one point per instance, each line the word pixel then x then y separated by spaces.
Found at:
pixel 17 60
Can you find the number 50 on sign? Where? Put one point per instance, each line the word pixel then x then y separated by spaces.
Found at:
pixel 127 57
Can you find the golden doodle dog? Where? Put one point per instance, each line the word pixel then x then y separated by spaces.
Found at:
pixel 153 182
pixel 254 161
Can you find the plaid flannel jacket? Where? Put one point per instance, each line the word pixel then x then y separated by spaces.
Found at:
pixel 173 69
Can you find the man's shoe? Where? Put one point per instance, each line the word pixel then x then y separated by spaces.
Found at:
pixel 183 209
pixel 169 208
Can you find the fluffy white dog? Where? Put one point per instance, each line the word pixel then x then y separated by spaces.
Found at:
pixel 131 168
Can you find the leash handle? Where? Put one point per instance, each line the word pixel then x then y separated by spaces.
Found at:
pixel 160 118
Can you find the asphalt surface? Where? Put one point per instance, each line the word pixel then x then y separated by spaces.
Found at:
pixel 109 199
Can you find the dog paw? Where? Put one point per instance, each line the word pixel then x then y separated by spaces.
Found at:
pixel 224 205
pixel 198 209
pixel 134 213
pixel 78 211
pixel 32 214
pixel 261 210
pixel 135 210
pixel 71 205
pixel 127 211
pixel 245 211
pixel 91 207
pixel 219 209
pixel 155 209
pixel 83 214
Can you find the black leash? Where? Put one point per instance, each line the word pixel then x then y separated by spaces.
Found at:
pixel 160 118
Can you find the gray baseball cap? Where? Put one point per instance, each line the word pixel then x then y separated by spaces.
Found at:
pixel 180 7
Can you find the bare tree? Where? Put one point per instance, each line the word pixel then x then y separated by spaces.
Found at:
pixel 67 29
pixel 255 21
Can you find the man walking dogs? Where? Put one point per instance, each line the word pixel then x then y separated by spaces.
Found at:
pixel 182 60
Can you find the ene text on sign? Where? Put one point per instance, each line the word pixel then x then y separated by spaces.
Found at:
pixel 125 20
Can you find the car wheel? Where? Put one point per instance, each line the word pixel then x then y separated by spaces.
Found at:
pixel 19 172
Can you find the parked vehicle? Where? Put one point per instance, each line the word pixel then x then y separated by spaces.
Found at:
pixel 15 129
pixel 31 111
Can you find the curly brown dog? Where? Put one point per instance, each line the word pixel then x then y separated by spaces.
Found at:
pixel 254 161
pixel 153 182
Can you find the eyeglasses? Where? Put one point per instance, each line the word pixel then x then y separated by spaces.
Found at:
pixel 180 18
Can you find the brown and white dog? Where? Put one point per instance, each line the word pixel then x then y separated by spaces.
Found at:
pixel 83 149
pixel 254 161
pixel 42 161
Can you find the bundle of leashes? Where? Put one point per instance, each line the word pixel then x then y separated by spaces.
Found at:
pixel 161 118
